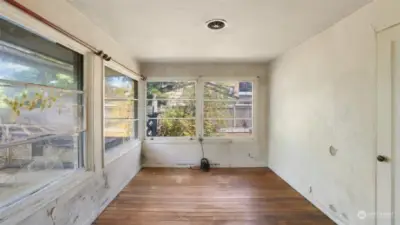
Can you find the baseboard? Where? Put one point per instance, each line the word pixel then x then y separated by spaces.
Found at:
pixel 109 200
pixel 318 205
pixel 180 165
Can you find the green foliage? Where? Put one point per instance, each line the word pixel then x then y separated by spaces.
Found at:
pixel 177 128
pixel 22 101
pixel 18 100
pixel 187 127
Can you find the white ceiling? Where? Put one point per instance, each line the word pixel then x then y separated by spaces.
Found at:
pixel 174 30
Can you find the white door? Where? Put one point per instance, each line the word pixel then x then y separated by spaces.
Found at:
pixel 388 128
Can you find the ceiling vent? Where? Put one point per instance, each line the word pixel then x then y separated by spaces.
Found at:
pixel 216 24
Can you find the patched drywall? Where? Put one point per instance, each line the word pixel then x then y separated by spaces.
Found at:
pixel 223 153
pixel 322 119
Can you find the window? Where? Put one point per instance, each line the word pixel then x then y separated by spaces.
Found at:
pixel 245 87
pixel 226 109
pixel 42 111
pixel 120 109
pixel 227 112
pixel 171 109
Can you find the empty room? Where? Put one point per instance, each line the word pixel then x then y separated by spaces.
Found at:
pixel 213 112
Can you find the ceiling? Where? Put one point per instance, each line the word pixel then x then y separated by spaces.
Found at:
pixel 175 30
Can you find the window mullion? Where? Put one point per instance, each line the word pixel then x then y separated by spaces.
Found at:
pixel 199 108
pixel 95 145
pixel 142 109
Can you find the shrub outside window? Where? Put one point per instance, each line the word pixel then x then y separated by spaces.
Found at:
pixel 227 109
pixel 120 109
pixel 171 109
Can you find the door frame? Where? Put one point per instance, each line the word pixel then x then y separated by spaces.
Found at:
pixel 388 87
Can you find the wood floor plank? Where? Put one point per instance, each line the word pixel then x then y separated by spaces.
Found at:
pixel 245 196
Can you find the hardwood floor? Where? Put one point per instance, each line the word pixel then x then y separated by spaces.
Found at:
pixel 219 197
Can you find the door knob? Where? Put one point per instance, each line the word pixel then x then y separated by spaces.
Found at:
pixel 382 158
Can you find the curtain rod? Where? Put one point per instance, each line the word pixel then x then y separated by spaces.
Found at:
pixel 69 35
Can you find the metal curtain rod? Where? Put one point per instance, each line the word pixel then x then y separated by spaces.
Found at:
pixel 66 33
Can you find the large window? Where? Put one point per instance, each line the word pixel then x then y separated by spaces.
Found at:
pixel 120 109
pixel 227 109
pixel 171 109
pixel 41 111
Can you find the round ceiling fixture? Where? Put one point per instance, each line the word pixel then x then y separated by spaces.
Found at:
pixel 216 24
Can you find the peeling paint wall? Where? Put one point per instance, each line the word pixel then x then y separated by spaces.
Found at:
pixel 79 198
pixel 82 204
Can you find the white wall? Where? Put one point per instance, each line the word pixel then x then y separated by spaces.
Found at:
pixel 226 154
pixel 81 197
pixel 323 93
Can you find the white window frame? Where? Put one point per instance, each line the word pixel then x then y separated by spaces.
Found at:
pixel 26 203
pixel 124 148
pixel 162 139
pixel 254 118
pixel 199 109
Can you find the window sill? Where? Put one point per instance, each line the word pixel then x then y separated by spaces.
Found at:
pixel 208 140
pixel 37 199
pixel 119 151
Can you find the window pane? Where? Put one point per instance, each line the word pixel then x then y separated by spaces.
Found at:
pixel 171 90
pixel 171 127
pixel 41 111
pixel 227 128
pixel 228 109
pixel 171 109
pixel 119 131
pixel 221 90
pixel 26 57
pixel 37 163
pixel 28 112
pixel 119 86
pixel 120 109
pixel 245 87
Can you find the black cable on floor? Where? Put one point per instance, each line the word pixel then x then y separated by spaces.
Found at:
pixel 204 163
pixel 202 147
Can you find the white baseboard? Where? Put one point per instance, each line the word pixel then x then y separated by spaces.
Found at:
pixel 188 165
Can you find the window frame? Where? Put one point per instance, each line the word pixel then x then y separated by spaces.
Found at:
pixel 254 118
pixel 170 79
pixel 124 148
pixel 32 25
pixel 200 81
